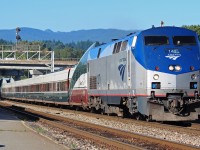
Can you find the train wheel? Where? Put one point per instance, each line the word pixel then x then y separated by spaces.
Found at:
pixel 138 117
pixel 77 108
pixel 92 110
pixel 148 119
pixel 103 111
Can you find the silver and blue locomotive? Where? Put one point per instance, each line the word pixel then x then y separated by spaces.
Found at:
pixel 151 74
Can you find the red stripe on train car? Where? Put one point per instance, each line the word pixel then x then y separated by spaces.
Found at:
pixel 121 95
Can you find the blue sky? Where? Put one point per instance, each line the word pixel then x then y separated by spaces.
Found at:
pixel 72 15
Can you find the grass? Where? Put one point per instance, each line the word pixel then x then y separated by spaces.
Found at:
pixel 40 130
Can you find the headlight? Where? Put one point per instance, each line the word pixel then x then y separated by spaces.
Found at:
pixel 193 76
pixel 156 77
pixel 171 68
pixel 177 68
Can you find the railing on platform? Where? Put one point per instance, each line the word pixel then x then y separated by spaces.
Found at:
pixel 28 52
pixel 31 54
pixel 24 52
pixel 67 59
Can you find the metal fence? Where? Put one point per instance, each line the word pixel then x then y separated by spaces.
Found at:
pixel 28 52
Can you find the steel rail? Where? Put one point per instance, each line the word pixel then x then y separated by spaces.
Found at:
pixel 160 142
pixel 129 135
pixel 194 129
pixel 100 140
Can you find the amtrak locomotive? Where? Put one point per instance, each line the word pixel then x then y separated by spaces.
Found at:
pixel 152 74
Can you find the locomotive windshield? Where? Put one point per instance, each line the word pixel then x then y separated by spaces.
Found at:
pixel 184 40
pixel 156 40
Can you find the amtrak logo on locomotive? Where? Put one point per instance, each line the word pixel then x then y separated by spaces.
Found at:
pixel 173 54
pixel 122 67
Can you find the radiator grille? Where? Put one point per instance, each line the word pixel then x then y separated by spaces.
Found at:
pixel 93 82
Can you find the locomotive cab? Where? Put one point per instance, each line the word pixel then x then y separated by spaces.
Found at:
pixel 170 62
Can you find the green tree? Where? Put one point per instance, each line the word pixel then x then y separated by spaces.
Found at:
pixel 69 50
pixel 195 28
pixel 4 42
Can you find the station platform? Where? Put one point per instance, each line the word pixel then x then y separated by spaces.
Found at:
pixel 14 135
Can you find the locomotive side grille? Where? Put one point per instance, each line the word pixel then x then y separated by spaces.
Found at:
pixel 93 82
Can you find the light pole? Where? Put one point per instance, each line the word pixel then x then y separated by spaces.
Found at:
pixel 17 35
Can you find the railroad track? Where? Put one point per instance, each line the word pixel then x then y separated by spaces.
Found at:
pixel 109 137
pixel 64 125
pixel 191 128
pixel 195 126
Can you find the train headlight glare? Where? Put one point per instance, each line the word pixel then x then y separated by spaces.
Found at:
pixel 177 68
pixel 193 76
pixel 171 68
pixel 156 77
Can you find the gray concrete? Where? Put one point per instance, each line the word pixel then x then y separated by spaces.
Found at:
pixel 15 136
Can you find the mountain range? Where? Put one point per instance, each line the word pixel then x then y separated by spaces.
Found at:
pixel 31 34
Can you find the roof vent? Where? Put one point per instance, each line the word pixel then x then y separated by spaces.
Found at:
pixel 114 39
pixel 131 33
